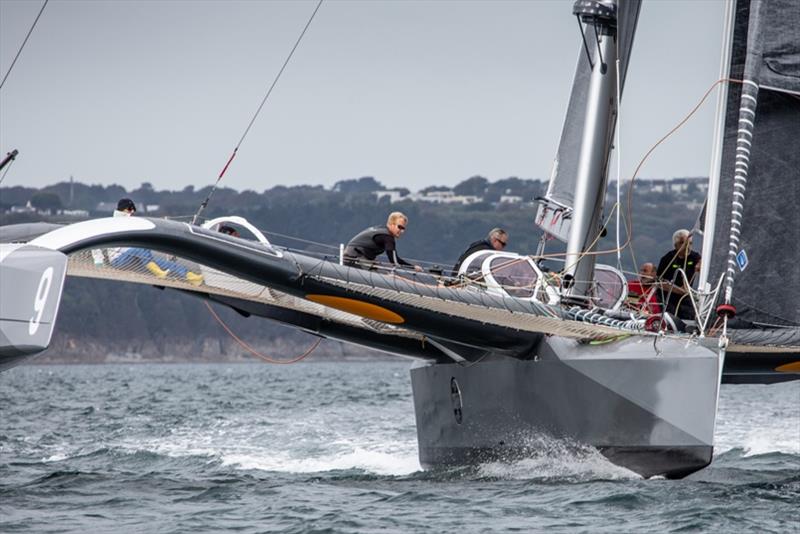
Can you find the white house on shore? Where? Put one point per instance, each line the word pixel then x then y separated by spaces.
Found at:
pixel 676 185
pixel 394 196
pixel 434 197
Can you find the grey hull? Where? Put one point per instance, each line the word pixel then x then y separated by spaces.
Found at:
pixel 651 413
pixel 31 281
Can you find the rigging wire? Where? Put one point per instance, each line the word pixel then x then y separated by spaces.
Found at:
pixel 301 240
pixel 787 321
pixel 205 202
pixel 23 43
pixel 253 351
pixel 4 174
pixel 629 224
pixel 585 45
pixel 627 220
pixel 619 155
pixel 629 198
pixel 628 207
pixel 603 66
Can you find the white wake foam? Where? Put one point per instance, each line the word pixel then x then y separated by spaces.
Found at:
pixel 568 467
pixel 301 447
pixel 557 458
pixel 385 463
pixel 759 419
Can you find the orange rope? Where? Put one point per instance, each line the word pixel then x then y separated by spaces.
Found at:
pixel 254 352
pixel 629 221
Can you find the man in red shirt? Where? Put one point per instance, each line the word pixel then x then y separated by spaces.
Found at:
pixel 642 292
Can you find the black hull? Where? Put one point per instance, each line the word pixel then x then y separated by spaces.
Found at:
pixel 762 367
pixel 671 462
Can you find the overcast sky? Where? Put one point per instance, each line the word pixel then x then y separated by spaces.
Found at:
pixel 414 93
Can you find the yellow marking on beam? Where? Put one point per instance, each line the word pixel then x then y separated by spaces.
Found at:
pixel 793 367
pixel 358 307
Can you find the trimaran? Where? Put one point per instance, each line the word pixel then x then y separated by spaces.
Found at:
pixel 508 352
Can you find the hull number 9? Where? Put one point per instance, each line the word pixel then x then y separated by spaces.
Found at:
pixel 40 300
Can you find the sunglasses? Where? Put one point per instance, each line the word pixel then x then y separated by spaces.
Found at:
pixel 502 243
pixel 400 227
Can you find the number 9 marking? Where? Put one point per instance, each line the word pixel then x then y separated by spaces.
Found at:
pixel 41 299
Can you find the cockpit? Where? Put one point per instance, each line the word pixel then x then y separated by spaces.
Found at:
pixel 513 275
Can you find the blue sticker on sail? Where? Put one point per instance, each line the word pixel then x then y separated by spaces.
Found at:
pixel 741 260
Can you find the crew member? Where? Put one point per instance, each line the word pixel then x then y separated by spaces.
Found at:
pixel 496 240
pixel 127 257
pixel 229 230
pixel 674 284
pixel 643 292
pixel 366 246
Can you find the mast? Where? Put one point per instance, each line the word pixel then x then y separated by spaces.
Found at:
pixel 601 49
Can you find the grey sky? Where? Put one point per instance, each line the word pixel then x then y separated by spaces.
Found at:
pixel 414 93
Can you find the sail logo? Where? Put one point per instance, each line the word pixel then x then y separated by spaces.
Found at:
pixel 741 260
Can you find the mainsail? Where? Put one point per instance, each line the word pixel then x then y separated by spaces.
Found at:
pixel 754 221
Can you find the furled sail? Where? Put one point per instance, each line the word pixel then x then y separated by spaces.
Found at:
pixel 755 220
pixel 554 212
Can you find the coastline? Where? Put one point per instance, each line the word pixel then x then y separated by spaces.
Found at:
pixel 71 350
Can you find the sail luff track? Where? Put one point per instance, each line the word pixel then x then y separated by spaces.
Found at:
pixel 744 142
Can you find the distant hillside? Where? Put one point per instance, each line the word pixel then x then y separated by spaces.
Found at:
pixel 101 320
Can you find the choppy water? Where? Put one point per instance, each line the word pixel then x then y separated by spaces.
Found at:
pixel 331 447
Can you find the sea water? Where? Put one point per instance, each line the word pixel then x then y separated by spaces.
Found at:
pixel 331 447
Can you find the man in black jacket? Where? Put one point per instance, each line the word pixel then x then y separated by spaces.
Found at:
pixel 673 284
pixel 496 240
pixel 363 249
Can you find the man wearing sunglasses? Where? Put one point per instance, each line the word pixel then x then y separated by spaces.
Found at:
pixel 496 240
pixel 367 245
